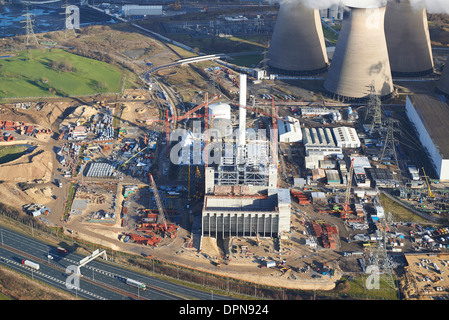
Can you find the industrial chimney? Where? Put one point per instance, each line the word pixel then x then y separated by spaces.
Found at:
pixel 361 55
pixel 242 110
pixel 408 39
pixel 297 45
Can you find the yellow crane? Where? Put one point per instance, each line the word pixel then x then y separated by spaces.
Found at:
pixel 428 185
pixel 135 155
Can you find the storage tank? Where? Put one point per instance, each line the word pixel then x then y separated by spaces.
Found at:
pixel 220 118
pixel 361 55
pixel 408 39
pixel 220 111
pixel 297 45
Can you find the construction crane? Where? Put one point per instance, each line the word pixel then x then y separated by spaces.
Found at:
pixel 345 211
pixel 428 185
pixel 137 153
pixel 273 114
pixel 161 219
pixel 187 115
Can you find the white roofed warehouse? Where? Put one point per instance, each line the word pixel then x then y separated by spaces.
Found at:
pixel 289 130
pixel 346 137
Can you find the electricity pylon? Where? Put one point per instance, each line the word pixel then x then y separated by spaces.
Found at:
pixel 29 20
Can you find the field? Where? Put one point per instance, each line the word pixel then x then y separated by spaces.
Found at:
pixel 37 73
pixel 399 212
pixel 10 153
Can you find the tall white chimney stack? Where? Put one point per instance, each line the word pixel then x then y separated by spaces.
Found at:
pixel 242 111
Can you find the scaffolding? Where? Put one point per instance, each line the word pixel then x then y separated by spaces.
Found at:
pixel 250 169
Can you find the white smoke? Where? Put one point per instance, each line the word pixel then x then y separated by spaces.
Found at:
pixel 432 6
pixel 321 4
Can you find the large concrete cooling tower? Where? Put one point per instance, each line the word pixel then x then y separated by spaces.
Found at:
pixel 297 45
pixel 443 84
pixel 408 39
pixel 361 56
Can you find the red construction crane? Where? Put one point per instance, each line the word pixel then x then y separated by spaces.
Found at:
pixel 161 219
pixel 189 114
pixel 273 115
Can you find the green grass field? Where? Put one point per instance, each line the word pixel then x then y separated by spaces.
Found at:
pixel 10 153
pixel 32 74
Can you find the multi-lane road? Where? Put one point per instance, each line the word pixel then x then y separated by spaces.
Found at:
pixel 100 280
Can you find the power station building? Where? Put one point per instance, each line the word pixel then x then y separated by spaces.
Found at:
pixel 241 196
pixel 246 215
pixel 408 39
pixel 430 116
pixel 361 56
pixel 297 45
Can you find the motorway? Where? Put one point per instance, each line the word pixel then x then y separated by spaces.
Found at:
pixel 100 280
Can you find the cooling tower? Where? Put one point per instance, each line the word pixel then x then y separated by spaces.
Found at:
pixel 361 55
pixel 408 39
pixel 297 45
pixel 443 84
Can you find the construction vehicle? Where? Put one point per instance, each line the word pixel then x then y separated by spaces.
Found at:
pixel 175 6
pixel 219 263
pixel 135 155
pixel 428 184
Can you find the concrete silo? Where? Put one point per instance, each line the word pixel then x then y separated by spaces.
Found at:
pixel 361 55
pixel 297 45
pixel 408 39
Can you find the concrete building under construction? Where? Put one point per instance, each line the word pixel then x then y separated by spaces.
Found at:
pixel 361 55
pixel 246 158
pixel 228 213
pixel 297 45
pixel 408 39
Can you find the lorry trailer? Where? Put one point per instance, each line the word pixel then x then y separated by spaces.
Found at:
pixel 30 264
pixel 136 284
pixel 61 250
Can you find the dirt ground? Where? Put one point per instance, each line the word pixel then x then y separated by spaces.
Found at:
pixel 425 278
